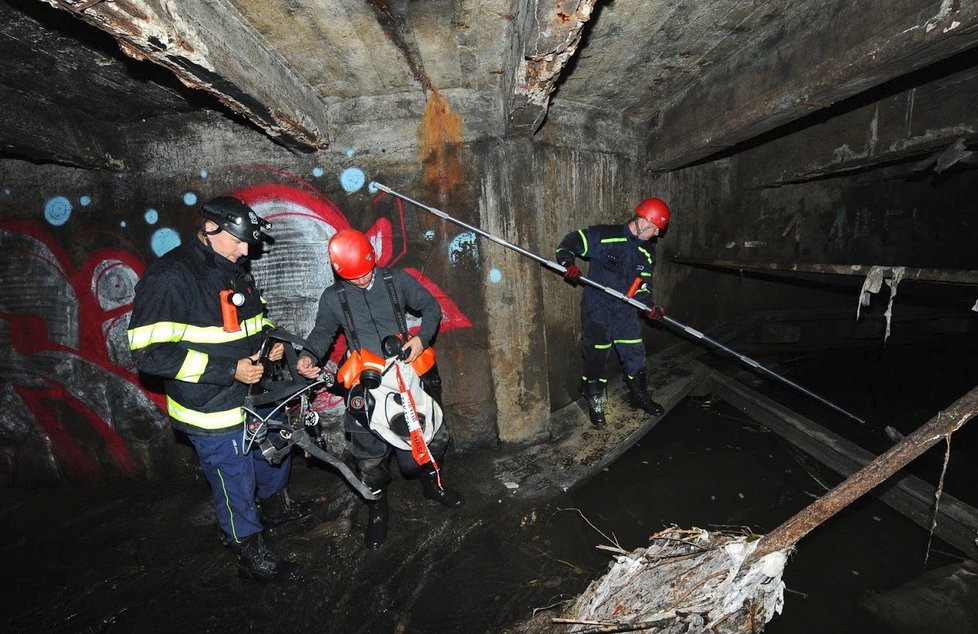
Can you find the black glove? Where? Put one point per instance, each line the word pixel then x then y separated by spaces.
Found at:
pixel 572 274
pixel 656 313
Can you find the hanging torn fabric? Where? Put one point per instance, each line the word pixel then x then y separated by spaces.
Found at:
pixel 872 285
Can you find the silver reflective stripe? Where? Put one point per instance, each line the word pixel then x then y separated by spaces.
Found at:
pixel 171 332
pixel 193 366
pixel 205 420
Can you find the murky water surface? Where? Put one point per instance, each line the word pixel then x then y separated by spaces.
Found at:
pixel 145 556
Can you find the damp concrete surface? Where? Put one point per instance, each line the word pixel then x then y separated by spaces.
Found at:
pixel 147 556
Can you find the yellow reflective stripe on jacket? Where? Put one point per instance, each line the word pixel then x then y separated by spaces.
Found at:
pixel 193 366
pixel 171 332
pixel 205 420
pixel 610 240
pixel 583 242
pixel 618 341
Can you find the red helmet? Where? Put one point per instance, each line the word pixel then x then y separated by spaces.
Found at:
pixel 655 210
pixel 351 254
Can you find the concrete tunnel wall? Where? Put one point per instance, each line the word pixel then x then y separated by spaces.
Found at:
pixel 74 242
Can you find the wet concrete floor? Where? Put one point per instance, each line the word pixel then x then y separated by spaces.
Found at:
pixel 146 557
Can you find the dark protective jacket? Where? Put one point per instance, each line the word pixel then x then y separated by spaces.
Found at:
pixel 176 332
pixel 616 258
pixel 373 314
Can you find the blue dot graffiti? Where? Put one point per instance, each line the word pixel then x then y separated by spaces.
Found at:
pixel 463 245
pixel 352 179
pixel 189 198
pixel 57 210
pixel 151 216
pixel 163 240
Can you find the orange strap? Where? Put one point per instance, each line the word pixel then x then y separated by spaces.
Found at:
pixel 634 287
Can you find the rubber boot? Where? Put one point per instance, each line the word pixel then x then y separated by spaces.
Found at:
pixel 593 397
pixel 638 395
pixel 433 490
pixel 378 516
pixel 257 562
pixel 279 508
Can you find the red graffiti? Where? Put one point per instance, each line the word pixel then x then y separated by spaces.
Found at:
pixel 68 361
pixel 60 317
pixel 303 221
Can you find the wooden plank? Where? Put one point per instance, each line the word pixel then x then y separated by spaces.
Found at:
pixel 208 46
pixel 820 54
pixel 957 522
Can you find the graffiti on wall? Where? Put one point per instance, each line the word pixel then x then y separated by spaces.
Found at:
pixel 73 407
pixel 294 272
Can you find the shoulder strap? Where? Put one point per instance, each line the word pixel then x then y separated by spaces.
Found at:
pixel 395 303
pixel 351 331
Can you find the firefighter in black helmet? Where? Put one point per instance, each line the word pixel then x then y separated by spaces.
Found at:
pixel 198 323
pixel 622 258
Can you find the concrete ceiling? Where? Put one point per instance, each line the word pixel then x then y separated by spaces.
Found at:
pixel 671 82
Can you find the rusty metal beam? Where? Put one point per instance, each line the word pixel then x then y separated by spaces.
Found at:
pixel 209 47
pixel 548 36
pixel 941 276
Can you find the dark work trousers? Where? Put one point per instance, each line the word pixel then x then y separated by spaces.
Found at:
pixel 597 340
pixel 235 479
pixel 372 453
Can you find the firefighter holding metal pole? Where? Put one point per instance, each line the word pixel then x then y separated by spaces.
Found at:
pixel 622 258
pixel 660 219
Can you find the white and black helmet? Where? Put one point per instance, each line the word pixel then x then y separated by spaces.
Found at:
pixel 235 217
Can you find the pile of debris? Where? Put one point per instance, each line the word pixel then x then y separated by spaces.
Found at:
pixel 697 580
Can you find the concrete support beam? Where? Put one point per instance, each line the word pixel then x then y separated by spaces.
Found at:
pixel 207 46
pixel 932 124
pixel 943 276
pixel 818 59
pixel 51 132
pixel 548 34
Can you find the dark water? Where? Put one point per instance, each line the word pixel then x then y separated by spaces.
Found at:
pixel 710 466
pixel 145 556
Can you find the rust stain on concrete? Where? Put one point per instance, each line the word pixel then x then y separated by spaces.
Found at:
pixel 440 139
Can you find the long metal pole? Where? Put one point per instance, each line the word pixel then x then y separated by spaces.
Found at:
pixel 628 300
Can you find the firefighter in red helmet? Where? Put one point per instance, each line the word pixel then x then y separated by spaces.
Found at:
pixel 368 304
pixel 622 257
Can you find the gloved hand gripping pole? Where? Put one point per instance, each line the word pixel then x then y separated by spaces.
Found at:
pixel 628 300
